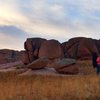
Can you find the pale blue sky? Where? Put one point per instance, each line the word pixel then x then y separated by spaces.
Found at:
pixel 57 19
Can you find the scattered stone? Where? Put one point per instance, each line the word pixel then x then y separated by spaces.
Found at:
pixel 71 69
pixel 39 63
pixel 62 63
pixel 32 46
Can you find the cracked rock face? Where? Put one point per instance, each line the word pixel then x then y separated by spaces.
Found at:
pixel 39 63
pixel 65 66
pixel 58 56
pixel 71 69
pixel 48 53
pixel 7 56
pixel 38 47
pixel 81 48
pixel 51 49
pixel 32 46
pixel 61 63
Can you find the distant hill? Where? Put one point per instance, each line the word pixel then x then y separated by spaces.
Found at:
pixel 7 56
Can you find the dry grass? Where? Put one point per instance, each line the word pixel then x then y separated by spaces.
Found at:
pixel 39 87
pixel 86 67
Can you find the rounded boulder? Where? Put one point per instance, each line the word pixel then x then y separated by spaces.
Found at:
pixel 51 49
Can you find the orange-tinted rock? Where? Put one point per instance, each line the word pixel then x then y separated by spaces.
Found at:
pixel 71 69
pixel 61 63
pixel 32 46
pixel 86 48
pixel 3 60
pixel 39 63
pixel 51 49
pixel 65 66
pixel 25 58
pixel 80 48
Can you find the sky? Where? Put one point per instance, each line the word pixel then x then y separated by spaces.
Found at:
pixel 50 19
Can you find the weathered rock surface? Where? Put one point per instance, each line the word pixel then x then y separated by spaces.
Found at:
pixel 51 49
pixel 39 63
pixel 61 63
pixel 59 56
pixel 25 58
pixel 71 69
pixel 80 48
pixel 66 66
pixel 32 46
pixel 7 56
pixel 39 47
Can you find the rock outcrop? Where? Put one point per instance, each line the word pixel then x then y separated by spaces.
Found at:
pixel 80 48
pixel 25 58
pixel 32 46
pixel 39 63
pixel 72 69
pixel 51 49
pixel 65 66
pixel 61 63
pixel 7 56
pixel 40 53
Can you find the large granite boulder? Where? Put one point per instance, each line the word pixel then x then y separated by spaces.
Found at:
pixel 65 66
pixel 32 46
pixel 25 58
pixel 40 53
pixel 39 63
pixel 97 43
pixel 60 63
pixel 80 48
pixel 51 49
pixel 71 69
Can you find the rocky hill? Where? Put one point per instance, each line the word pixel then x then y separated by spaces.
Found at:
pixel 7 56
pixel 42 53
pixel 81 48
pixel 76 48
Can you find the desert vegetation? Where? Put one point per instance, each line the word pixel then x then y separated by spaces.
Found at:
pixel 84 86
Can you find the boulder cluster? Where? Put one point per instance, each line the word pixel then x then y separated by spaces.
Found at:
pixel 81 48
pixel 40 53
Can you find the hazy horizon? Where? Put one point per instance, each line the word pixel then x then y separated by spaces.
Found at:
pixel 50 19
